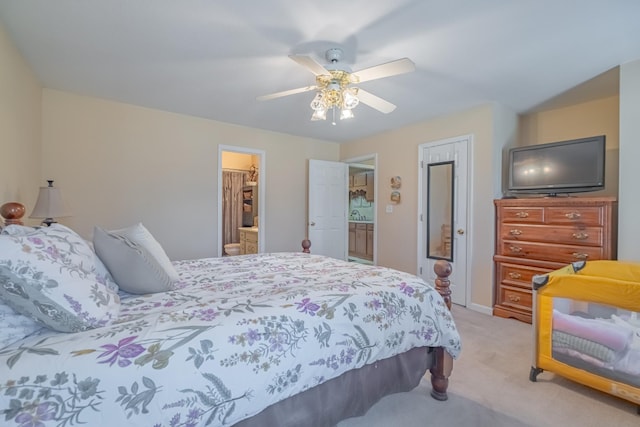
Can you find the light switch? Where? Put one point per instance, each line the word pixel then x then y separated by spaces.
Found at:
pixel 389 208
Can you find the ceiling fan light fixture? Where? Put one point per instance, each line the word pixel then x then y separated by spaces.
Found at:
pixel 334 90
pixel 317 103
pixel 319 114
pixel 346 113
pixel 349 98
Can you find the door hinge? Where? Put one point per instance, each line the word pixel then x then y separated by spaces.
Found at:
pixel 421 164
pixel 421 271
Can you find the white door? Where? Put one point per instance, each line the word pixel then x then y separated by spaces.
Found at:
pixel 453 150
pixel 328 202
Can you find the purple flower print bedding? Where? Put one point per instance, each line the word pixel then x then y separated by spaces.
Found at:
pixel 238 334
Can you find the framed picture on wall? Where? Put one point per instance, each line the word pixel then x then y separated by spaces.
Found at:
pixel 396 182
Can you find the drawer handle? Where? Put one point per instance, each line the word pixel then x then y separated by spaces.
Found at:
pixel 522 214
pixel 573 215
pixel 581 235
pixel 515 249
pixel 515 232
pixel 515 275
pixel 578 255
pixel 514 298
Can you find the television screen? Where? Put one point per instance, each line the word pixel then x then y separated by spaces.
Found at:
pixel 558 167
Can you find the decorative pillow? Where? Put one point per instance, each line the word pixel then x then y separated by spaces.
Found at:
pixel 100 270
pixel 133 267
pixel 49 275
pixel 14 326
pixel 139 234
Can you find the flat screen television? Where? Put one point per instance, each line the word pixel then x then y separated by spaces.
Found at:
pixel 558 167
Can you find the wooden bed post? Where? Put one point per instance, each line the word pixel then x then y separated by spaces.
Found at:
pixel 12 213
pixel 306 244
pixel 443 362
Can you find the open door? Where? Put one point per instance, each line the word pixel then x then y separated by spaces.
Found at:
pixel 328 202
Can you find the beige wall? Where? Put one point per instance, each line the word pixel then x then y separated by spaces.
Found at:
pixel 118 164
pixel 20 97
pixel 398 155
pixel 599 117
pixel 239 161
pixel 629 202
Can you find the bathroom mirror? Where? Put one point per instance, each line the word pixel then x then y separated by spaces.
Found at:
pixel 440 210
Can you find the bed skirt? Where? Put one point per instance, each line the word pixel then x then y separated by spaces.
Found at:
pixel 349 395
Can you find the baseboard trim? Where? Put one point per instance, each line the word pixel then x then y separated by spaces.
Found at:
pixel 481 309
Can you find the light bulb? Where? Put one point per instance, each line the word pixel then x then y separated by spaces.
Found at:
pixel 319 114
pixel 317 103
pixel 350 100
pixel 346 114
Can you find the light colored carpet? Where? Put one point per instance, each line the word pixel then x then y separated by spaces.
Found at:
pixel 490 387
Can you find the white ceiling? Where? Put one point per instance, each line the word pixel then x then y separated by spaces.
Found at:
pixel 212 58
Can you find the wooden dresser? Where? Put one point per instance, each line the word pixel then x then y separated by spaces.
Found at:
pixel 538 235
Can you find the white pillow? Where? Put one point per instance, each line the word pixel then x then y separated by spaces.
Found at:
pixel 139 234
pixel 49 275
pixel 133 267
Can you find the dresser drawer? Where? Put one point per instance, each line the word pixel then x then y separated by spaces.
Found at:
pixel 522 215
pixel 518 275
pixel 585 215
pixel 515 297
pixel 550 252
pixel 537 235
pixel 251 237
pixel 588 236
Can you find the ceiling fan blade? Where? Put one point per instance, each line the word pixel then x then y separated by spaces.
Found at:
pixel 310 64
pixel 375 102
pixel 393 68
pixel 286 93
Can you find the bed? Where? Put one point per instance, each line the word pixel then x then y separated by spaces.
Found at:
pixel 276 339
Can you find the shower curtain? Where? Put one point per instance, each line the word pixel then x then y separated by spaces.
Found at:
pixel 232 183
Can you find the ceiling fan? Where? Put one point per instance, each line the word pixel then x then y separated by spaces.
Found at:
pixel 335 85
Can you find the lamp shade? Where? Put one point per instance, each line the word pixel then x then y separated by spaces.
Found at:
pixel 49 204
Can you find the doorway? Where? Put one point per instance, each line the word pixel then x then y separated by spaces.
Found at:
pixel 241 201
pixel 362 236
pixel 329 210
pixel 443 203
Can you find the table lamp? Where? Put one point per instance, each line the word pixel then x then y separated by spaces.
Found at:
pixel 49 205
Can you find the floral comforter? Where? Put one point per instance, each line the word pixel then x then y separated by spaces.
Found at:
pixel 237 335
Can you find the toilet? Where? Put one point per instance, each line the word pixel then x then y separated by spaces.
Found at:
pixel 232 248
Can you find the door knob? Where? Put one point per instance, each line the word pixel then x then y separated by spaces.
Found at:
pixel 460 231
pixel 312 223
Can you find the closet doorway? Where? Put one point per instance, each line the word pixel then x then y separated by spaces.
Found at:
pixel 361 213
pixel 240 201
